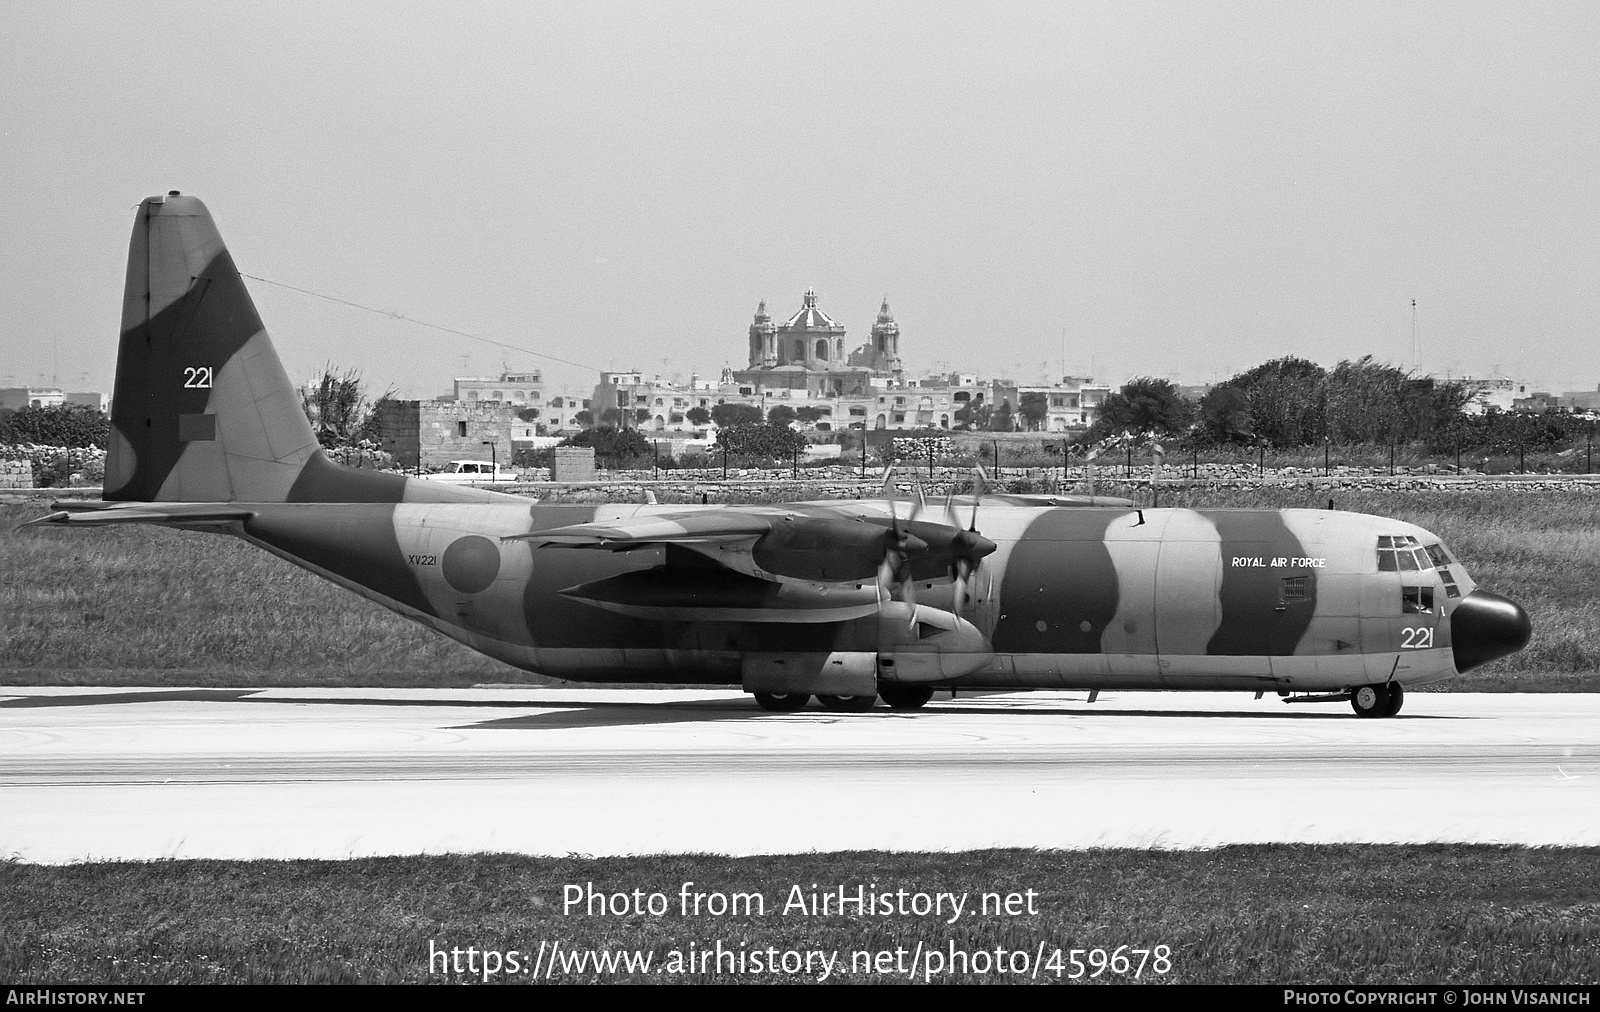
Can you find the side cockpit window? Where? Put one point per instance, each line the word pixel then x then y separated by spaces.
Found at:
pixel 1441 561
pixel 1405 554
pixel 1416 600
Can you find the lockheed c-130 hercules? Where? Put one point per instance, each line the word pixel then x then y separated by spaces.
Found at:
pixel 848 601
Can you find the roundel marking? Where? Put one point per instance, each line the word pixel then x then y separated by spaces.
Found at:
pixel 471 563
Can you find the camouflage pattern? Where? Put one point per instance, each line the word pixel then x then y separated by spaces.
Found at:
pixel 844 600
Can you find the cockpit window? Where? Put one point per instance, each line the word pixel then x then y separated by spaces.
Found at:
pixel 1404 553
pixel 1416 600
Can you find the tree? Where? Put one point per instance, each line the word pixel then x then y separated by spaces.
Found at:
pixel 1225 416
pixel 584 418
pixel 337 407
pixel 1287 400
pixel 697 415
pixel 726 415
pixel 1035 407
pixel 1145 404
pixel 616 447
pixel 1001 419
pixel 973 416
pixel 761 441
pixel 71 425
pixel 781 414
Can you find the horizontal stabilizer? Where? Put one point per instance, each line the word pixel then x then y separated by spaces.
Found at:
pixel 169 514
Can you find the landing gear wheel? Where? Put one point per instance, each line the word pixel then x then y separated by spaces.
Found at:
pixel 847 704
pixel 1397 697
pixel 782 702
pixel 1370 701
pixel 905 697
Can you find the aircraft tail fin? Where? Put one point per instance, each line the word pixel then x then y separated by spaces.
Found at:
pixel 202 410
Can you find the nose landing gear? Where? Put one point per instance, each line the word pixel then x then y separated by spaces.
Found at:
pixel 1382 700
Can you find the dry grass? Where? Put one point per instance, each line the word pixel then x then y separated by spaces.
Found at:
pixel 1249 914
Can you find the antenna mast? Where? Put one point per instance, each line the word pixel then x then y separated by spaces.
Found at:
pixel 1414 360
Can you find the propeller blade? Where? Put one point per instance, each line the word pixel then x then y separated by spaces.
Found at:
pixel 979 483
pixel 958 590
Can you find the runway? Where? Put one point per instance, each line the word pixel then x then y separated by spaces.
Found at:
pixel 336 773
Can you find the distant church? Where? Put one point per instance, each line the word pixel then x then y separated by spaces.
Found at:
pixel 807 353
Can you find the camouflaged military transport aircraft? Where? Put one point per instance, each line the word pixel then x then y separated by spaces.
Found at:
pixel 847 601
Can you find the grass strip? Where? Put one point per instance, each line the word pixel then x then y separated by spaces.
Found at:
pixel 1459 914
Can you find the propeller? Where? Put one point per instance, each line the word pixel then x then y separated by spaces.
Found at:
pixel 946 538
pixel 968 547
pixel 895 570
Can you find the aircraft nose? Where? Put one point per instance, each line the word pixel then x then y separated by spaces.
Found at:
pixel 1485 626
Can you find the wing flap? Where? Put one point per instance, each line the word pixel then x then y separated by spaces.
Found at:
pixel 722 595
pixel 716 526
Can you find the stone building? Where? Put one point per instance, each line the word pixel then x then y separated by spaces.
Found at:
pixel 53 397
pixel 882 353
pixel 430 434
pixel 524 389
pixel 802 363
pixel 1072 404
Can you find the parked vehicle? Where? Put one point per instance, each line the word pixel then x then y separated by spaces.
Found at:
pixel 471 472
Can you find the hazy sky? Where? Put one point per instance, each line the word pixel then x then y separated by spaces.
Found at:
pixel 1180 190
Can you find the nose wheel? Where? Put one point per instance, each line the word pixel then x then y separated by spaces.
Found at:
pixel 1378 700
pixel 905 697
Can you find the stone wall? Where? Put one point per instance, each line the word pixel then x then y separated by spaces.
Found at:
pixel 573 463
pixel 16 474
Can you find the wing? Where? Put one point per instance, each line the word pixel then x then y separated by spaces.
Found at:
pixel 736 564
pixel 813 545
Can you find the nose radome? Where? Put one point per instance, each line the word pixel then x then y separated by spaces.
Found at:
pixel 1485 626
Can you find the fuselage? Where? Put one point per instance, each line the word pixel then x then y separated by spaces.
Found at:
pixel 1284 600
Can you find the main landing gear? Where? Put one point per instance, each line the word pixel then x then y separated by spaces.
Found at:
pixel 847 704
pixel 782 702
pixel 896 697
pixel 1377 700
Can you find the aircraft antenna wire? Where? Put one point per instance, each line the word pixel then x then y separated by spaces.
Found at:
pixel 394 315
